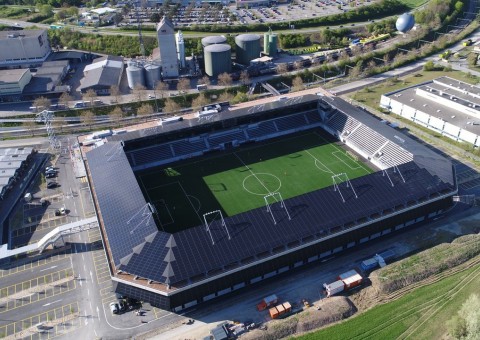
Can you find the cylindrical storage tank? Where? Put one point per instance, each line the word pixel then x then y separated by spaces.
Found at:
pixel 273 45
pixel 152 75
pixel 247 48
pixel 218 59
pixel 266 43
pixel 135 74
pixel 213 39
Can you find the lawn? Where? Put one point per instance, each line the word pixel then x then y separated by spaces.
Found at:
pixel 370 96
pixel 238 180
pixel 422 314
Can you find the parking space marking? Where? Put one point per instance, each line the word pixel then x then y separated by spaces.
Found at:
pixel 61 320
pixel 36 289
pixel 35 263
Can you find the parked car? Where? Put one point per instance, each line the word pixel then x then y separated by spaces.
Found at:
pixel 50 174
pixel 61 211
pixel 51 185
pixel 45 203
pixel 114 308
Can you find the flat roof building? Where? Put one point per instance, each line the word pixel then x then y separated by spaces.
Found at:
pixel 14 81
pixel 26 48
pixel 445 105
pixel 102 74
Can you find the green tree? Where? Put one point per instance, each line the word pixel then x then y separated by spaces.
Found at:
pixel 116 116
pixel 224 79
pixel 429 66
pixel 65 98
pixel 170 106
pixel 145 110
pixel 87 118
pixel 297 84
pixel 472 59
pixel 42 103
pixel 30 126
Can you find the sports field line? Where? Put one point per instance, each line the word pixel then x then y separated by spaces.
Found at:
pixel 316 160
pixel 172 220
pixel 191 204
pixel 254 175
pixel 341 150
pixel 341 160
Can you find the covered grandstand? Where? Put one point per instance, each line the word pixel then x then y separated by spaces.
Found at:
pixel 178 270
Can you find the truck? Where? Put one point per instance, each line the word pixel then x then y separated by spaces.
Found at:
pixel 268 301
pixel 378 260
pixel 345 281
pixel 280 310
pixel 334 287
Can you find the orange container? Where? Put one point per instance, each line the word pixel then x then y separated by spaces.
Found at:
pixel 274 313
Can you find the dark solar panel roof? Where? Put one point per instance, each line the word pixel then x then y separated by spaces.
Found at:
pixel 138 247
pixel 225 114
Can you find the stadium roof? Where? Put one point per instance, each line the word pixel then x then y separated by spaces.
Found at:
pixel 139 248
pixel 223 115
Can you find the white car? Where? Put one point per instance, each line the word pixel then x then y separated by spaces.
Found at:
pixel 151 96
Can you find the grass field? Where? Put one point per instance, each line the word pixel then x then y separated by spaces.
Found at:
pixel 236 181
pixel 422 314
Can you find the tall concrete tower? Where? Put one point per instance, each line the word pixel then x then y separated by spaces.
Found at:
pixel 167 48
pixel 180 48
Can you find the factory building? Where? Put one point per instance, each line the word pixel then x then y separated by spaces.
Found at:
pixel 26 48
pixel 167 52
pixel 13 82
pixel 101 75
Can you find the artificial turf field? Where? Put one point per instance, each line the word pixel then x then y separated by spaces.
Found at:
pixel 237 180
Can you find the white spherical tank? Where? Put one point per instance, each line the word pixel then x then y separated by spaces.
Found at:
pixel 135 74
pixel 405 22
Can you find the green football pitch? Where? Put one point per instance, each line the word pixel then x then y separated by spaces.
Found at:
pixel 237 180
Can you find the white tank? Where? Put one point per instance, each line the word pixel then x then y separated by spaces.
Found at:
pixel 152 75
pixel 135 74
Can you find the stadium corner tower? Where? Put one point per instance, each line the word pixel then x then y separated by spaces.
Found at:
pixel 174 265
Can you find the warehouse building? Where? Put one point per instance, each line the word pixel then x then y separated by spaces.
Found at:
pixel 12 82
pixel 444 105
pixel 13 164
pixel 26 48
pixel 102 74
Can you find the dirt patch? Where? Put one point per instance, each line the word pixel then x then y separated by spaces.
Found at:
pixel 325 312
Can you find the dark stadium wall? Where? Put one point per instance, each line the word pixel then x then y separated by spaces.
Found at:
pixel 284 264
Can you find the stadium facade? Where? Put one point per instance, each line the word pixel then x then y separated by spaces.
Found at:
pixel 176 271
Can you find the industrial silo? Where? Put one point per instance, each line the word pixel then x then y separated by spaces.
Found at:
pixel 247 48
pixel 213 39
pixel 217 59
pixel 135 74
pixel 152 75
pixel 273 46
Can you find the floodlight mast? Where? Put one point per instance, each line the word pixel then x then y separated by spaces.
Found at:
pixel 337 187
pixel 147 212
pixel 390 162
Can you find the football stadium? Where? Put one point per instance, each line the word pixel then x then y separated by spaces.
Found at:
pixel 193 209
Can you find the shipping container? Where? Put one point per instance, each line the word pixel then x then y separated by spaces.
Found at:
pixel 387 255
pixel 280 310
pixel 351 279
pixel 334 287
pixel 369 264
pixel 270 300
